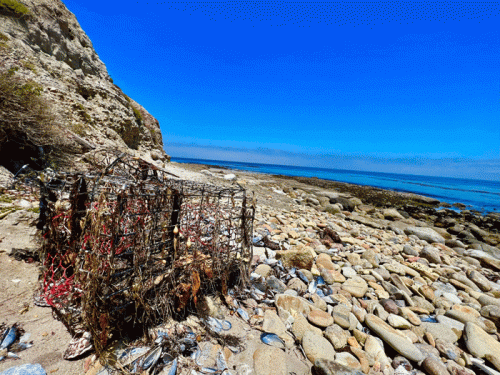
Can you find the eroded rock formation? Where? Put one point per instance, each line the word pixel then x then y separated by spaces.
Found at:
pixel 42 44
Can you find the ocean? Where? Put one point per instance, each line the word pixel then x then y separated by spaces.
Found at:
pixel 477 195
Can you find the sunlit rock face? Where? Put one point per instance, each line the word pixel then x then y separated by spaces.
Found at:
pixel 41 41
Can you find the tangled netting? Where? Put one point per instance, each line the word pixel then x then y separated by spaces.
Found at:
pixel 127 245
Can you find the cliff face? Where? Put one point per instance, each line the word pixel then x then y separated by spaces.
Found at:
pixel 44 50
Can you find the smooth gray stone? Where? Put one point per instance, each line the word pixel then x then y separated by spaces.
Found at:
pixel 395 339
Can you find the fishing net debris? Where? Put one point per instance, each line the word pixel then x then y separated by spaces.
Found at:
pixel 126 245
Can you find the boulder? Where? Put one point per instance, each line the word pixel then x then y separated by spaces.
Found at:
pixel 426 234
pixel 394 338
pixel 299 258
pixel 479 343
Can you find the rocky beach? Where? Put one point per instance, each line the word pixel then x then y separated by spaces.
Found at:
pixel 344 279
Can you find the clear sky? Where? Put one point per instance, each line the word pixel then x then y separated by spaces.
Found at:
pixel 328 83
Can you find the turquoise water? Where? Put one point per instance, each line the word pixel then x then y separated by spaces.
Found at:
pixel 476 194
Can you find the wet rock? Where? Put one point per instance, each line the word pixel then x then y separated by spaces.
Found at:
pixel 269 361
pixel 426 234
pixel 329 367
pixel 434 367
pixel 479 343
pixel 320 318
pixel 317 347
pixel 394 338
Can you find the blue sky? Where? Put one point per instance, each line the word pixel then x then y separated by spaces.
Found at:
pixel 383 81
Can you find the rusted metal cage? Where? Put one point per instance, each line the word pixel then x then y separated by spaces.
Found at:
pixel 126 245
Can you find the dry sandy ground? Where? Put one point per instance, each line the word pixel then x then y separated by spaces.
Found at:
pixel 18 281
pixel 50 338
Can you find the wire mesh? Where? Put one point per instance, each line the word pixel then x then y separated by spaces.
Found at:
pixel 126 245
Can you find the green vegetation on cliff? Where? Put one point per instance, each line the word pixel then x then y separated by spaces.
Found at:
pixel 15 7
pixel 26 118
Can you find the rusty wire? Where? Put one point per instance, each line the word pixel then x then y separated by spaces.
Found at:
pixel 126 245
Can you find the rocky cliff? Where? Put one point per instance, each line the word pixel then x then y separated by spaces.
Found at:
pixel 56 96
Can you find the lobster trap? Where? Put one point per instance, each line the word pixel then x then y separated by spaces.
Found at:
pixel 126 245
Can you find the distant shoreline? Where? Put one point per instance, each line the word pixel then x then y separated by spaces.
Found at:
pixel 377 195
